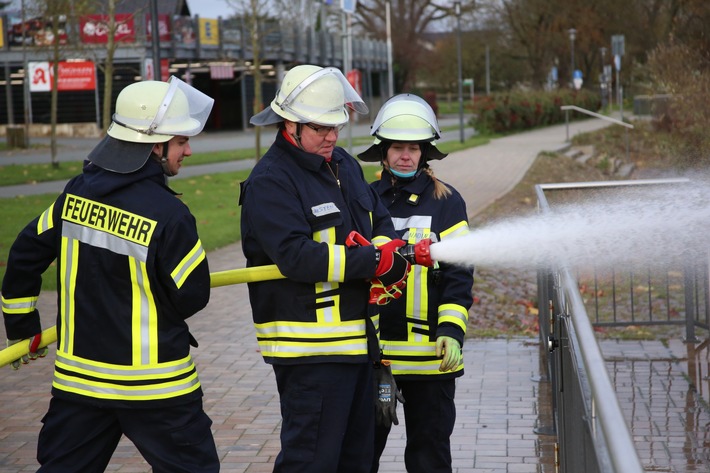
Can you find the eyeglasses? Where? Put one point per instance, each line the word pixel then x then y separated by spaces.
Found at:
pixel 323 131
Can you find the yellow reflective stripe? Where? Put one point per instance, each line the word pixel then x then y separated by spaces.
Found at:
pixel 417 288
pixel 457 230
pixel 380 240
pixel 46 220
pixel 412 358
pixel 282 349
pixel 20 305
pixel 112 372
pixel 103 390
pixel 336 272
pixel 145 316
pixel 310 330
pixel 69 256
pixel 376 322
pixel 419 367
pixel 188 264
pixel 109 219
pixel 455 314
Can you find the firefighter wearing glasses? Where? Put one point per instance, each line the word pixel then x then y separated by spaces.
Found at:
pixel 299 206
pixel 130 270
pixel 422 332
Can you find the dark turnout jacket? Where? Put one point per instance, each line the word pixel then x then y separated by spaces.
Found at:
pixel 130 270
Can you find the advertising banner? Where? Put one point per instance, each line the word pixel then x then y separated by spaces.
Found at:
pixel 94 29
pixel 72 75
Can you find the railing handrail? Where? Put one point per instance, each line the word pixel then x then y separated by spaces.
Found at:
pixel 597 115
pixel 622 451
pixel 614 430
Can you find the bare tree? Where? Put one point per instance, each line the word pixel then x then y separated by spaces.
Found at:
pixel 410 20
pixel 255 14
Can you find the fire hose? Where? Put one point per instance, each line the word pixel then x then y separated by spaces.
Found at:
pixel 217 279
pixel 414 253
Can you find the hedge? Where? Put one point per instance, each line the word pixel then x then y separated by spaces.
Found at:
pixel 509 112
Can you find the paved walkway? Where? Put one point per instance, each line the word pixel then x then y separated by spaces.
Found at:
pixel 500 401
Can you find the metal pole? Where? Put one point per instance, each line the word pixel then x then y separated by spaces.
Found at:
pixel 457 7
pixel 572 35
pixel 390 73
pixel 488 71
pixel 155 36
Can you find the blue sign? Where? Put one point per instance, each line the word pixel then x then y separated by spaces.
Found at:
pixel 577 74
pixel 348 6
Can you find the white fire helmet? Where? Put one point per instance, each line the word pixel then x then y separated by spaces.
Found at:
pixel 150 112
pixel 312 94
pixel 406 118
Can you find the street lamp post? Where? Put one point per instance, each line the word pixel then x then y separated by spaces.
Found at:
pixel 572 35
pixel 457 11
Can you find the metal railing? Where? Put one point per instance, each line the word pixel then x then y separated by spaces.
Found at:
pixel 588 422
pixel 567 109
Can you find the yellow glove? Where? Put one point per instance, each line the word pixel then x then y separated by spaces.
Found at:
pixel 450 349
pixel 34 351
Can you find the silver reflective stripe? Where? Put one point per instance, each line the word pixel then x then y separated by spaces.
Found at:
pixel 45 220
pixel 327 312
pixel 196 255
pixel 126 372
pixel 107 390
pixel 410 349
pixel 310 330
pixel 105 240
pixel 453 314
pixel 69 247
pixel 24 305
pixel 269 348
pixel 415 221
pixel 140 285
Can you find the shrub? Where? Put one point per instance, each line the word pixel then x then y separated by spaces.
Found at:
pixel 517 111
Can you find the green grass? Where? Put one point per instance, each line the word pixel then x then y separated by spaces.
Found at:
pixel 15 174
pixel 212 199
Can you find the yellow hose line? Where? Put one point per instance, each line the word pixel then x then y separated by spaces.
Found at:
pixel 217 279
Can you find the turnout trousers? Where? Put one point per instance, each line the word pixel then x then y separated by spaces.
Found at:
pixel 82 438
pixel 429 417
pixel 328 413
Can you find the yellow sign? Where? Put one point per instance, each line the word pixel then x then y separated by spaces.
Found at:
pixel 2 33
pixel 209 32
pixel 106 218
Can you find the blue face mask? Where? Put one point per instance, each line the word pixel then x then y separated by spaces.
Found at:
pixel 403 175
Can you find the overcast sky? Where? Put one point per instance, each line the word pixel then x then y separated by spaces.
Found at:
pixel 204 8
pixel 210 8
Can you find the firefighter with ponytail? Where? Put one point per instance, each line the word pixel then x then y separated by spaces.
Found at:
pixel 422 332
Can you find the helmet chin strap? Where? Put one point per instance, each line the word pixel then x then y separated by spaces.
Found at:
pixel 297 135
pixel 164 160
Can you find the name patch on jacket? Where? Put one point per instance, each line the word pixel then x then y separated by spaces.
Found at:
pixel 108 219
pixel 325 209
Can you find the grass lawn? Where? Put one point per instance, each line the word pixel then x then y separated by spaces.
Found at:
pixel 212 199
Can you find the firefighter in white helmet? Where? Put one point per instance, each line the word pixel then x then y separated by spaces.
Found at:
pixel 422 332
pixel 130 270
pixel 299 206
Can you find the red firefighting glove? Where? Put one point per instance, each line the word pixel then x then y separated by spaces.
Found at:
pixel 450 349
pixel 34 351
pixel 386 395
pixel 392 268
